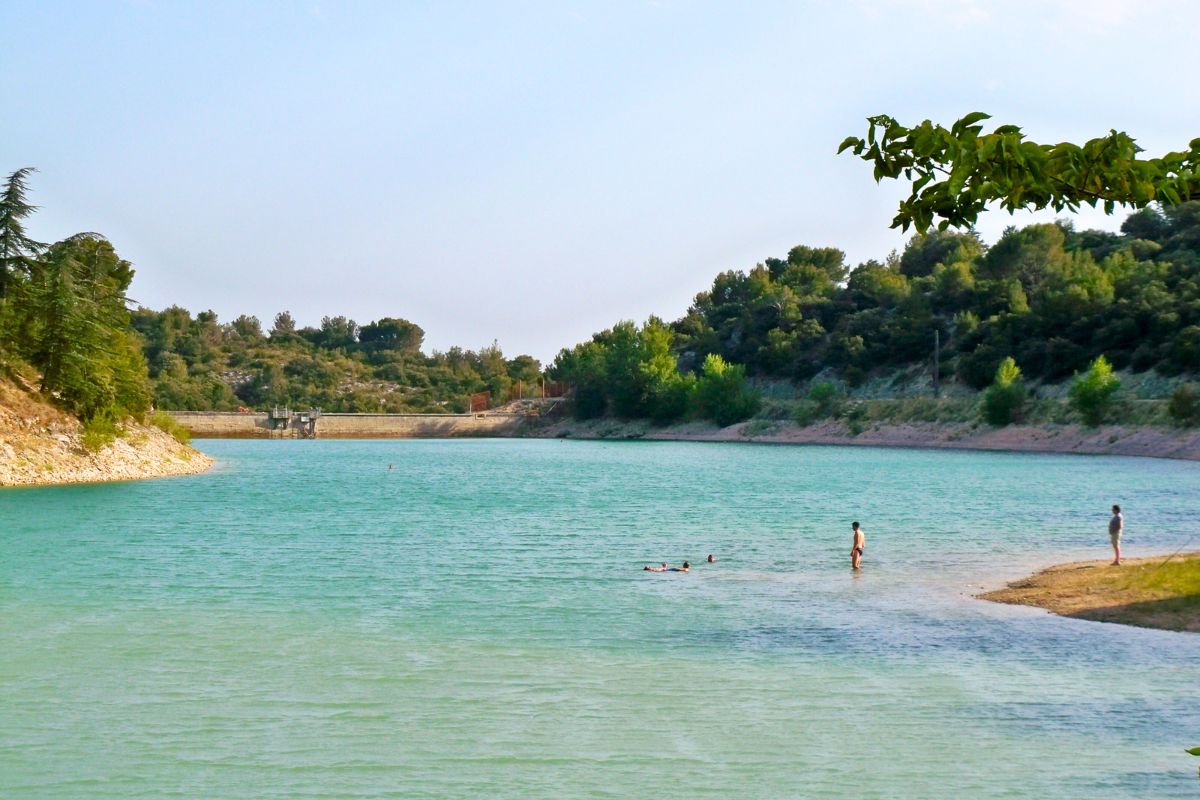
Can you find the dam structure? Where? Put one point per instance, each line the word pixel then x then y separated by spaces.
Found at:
pixel 285 423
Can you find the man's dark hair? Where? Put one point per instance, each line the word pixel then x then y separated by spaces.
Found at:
pixel 1116 509
pixel 854 525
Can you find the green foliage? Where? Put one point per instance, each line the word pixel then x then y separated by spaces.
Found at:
pixel 1195 751
pixel 99 432
pixel 1184 406
pixel 628 372
pixel 824 395
pixel 165 422
pixel 63 312
pixel 723 394
pixel 18 252
pixel 1051 297
pixel 1092 393
pixel 855 415
pixel 197 363
pixel 955 172
pixel 1003 400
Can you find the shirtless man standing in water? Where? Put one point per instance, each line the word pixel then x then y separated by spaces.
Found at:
pixel 859 544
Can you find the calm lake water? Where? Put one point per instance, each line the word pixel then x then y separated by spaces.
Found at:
pixel 304 622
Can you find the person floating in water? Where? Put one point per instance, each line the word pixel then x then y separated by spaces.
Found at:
pixel 858 546
pixel 1116 526
pixel 664 568
pixel 712 559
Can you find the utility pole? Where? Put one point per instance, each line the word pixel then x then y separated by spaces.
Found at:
pixel 937 362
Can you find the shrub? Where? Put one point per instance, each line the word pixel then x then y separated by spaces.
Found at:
pixel 825 396
pixel 165 422
pixel 855 414
pixel 723 394
pixel 1004 399
pixel 99 432
pixel 806 413
pixel 1092 392
pixel 1184 405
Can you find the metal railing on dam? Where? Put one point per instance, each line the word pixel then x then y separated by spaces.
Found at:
pixel 261 425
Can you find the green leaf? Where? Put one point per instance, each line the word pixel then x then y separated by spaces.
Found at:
pixel 848 142
pixel 1193 751
pixel 973 117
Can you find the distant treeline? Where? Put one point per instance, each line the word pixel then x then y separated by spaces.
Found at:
pixel 65 327
pixel 1052 298
pixel 198 363
pixel 1049 297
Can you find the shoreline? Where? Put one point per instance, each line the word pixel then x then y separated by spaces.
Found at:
pixel 143 452
pixel 1114 440
pixel 1159 592
pixel 41 445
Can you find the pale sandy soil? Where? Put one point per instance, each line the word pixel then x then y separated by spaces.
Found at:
pixel 40 445
pixel 1107 440
pixel 1096 590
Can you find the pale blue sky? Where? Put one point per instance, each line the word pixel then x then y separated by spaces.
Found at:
pixel 534 171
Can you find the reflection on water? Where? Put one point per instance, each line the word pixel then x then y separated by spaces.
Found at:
pixel 303 622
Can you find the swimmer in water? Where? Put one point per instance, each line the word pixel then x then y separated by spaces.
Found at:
pixel 685 568
pixel 712 559
pixel 660 568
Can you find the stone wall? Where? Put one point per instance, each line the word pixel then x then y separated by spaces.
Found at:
pixel 234 425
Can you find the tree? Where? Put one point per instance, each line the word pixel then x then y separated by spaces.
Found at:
pixel 1092 393
pixel 247 327
pixel 665 392
pixel 925 251
pixel 391 333
pixel 17 250
pixel 955 172
pixel 1002 400
pixel 89 356
pixel 284 327
pixel 723 394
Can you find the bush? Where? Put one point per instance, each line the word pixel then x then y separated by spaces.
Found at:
pixel 806 413
pixel 99 432
pixel 855 415
pixel 165 422
pixel 1184 406
pixel 723 394
pixel 1092 392
pixel 1004 399
pixel 825 396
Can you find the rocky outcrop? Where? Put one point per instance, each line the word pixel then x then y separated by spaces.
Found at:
pixel 40 445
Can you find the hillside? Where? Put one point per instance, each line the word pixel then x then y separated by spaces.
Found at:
pixel 40 445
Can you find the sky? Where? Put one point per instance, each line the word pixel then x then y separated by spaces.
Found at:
pixel 532 172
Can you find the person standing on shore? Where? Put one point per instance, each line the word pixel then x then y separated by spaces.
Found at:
pixel 1116 526
pixel 857 546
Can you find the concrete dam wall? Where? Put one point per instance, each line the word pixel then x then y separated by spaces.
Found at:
pixel 299 425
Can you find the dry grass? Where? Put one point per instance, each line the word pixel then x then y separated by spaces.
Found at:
pixel 1156 592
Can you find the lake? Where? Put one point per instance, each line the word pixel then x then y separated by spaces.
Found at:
pixel 474 622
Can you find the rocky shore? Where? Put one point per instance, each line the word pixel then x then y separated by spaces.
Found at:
pixel 1106 440
pixel 40 445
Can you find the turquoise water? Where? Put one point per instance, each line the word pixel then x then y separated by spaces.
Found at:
pixel 304 622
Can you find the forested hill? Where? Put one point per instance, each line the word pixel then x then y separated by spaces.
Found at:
pixel 198 363
pixel 1049 296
